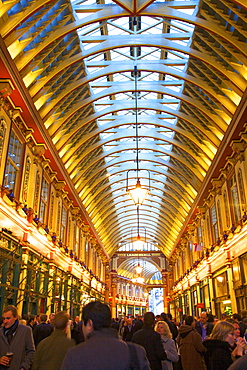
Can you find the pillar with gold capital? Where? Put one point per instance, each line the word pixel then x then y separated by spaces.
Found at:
pixel 22 281
pixel 164 274
pixel 107 283
pixel 113 293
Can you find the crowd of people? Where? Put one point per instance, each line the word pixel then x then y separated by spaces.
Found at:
pixel 98 342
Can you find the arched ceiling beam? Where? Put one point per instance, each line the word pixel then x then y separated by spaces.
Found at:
pixel 62 139
pixel 159 185
pixel 115 123
pixel 119 187
pixel 13 22
pixel 152 204
pixel 107 215
pixel 131 165
pixel 154 10
pixel 113 88
pixel 224 103
pixel 86 176
pixel 114 195
pixel 156 150
pixel 127 213
pixel 111 241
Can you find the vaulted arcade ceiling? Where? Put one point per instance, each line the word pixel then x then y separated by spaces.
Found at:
pixel 77 61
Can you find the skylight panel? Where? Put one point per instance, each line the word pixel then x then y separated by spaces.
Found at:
pixel 120 56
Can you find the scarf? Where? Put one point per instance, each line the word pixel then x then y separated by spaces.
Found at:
pixel 9 332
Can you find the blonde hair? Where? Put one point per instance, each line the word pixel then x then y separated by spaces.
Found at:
pixel 221 329
pixel 167 332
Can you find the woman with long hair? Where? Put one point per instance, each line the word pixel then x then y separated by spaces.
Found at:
pixel 219 347
pixel 168 344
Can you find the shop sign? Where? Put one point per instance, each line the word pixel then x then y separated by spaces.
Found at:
pixel 200 305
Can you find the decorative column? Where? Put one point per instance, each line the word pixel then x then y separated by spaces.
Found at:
pixel 22 281
pixel 113 293
pixel 230 283
pixel 107 282
pixel 164 274
pixel 50 288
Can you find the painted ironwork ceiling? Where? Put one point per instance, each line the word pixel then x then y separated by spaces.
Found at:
pixel 77 61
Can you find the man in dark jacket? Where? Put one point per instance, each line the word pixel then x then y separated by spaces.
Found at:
pixel 204 327
pixel 151 341
pixel 51 351
pixel 102 349
pixel 42 330
pixel 128 330
pixel 16 339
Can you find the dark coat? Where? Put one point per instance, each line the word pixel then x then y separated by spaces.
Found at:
pixel 41 331
pixel 51 351
pixel 151 341
pixel 173 329
pixel 138 325
pixel 191 349
pixel 21 345
pixel 128 333
pixel 240 364
pixel 218 354
pixel 103 350
pixel 209 328
pixel 243 328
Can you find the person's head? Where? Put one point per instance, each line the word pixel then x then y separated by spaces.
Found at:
pixel 236 329
pixel 129 321
pixel 61 320
pixel 31 320
pixel 95 316
pixel 169 316
pixel 236 317
pixel 149 319
pixel 51 318
pixel 23 322
pixel 210 318
pixel 203 317
pixel 189 320
pixel 243 313
pixel 163 316
pixel 43 317
pixel 163 329
pixel 223 330
pixel 9 316
pixel 77 319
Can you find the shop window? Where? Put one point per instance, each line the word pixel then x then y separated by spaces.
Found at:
pixel 241 189
pixel 244 262
pixel 76 239
pixel 219 217
pixel 63 225
pixel 51 211
pixel 221 288
pixel 69 231
pixel 26 179
pixel 36 193
pixel 236 272
pixel 2 136
pixel 235 199
pixel 227 211
pixel 43 200
pixel 214 221
pixel 58 217
pixel 12 170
